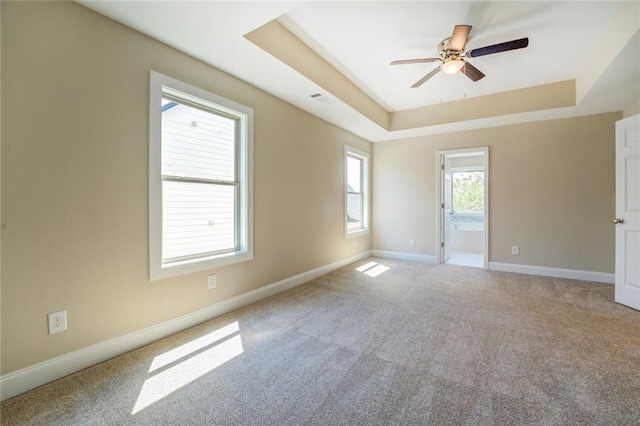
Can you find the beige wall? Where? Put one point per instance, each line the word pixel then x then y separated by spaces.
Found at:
pixel 74 183
pixel 632 109
pixel 552 187
pixel 0 189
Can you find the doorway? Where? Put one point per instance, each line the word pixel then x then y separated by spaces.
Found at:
pixel 463 213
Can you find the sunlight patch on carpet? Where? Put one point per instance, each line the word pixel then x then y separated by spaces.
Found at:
pixel 194 345
pixel 366 266
pixel 373 269
pixel 191 368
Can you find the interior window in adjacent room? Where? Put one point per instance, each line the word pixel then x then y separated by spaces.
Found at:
pixel 200 199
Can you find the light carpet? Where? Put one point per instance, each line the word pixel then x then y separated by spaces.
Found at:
pixel 411 344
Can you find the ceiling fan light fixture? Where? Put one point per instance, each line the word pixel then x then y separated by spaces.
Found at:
pixel 452 66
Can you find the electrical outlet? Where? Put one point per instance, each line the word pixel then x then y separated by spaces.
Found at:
pixel 412 242
pixel 211 281
pixel 515 250
pixel 57 321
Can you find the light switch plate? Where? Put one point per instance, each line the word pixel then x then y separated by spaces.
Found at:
pixel 211 281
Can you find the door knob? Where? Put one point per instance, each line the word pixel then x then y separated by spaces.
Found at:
pixel 618 221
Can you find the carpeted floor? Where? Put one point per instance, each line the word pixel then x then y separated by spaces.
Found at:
pixel 411 344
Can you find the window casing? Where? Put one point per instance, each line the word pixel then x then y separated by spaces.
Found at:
pixel 200 192
pixel 356 171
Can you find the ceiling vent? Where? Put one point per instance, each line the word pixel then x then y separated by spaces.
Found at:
pixel 322 99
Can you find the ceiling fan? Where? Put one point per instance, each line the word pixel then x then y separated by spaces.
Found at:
pixel 454 56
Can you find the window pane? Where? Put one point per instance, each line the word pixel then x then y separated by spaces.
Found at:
pixel 354 211
pixel 197 143
pixel 197 218
pixel 468 192
pixel 354 174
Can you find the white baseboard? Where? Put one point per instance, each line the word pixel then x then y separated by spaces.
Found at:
pixel 545 271
pixel 31 377
pixel 404 256
pixel 602 277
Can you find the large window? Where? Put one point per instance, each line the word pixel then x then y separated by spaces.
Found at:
pixel 356 192
pixel 200 179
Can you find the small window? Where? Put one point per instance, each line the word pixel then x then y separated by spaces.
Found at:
pixel 199 183
pixel 467 191
pixel 356 192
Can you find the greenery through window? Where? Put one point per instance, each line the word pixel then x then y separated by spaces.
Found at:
pixel 468 191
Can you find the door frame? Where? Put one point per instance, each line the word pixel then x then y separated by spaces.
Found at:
pixel 440 157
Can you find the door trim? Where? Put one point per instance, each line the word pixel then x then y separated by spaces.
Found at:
pixel 440 156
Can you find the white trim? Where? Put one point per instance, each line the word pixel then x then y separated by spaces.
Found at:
pixel 36 375
pixel 425 258
pixel 366 199
pixel 467 169
pixel 355 234
pixel 159 83
pixel 464 152
pixel 545 271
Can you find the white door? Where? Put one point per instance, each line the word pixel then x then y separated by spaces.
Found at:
pixel 628 212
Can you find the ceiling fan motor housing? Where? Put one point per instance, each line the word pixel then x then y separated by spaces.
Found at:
pixel 446 54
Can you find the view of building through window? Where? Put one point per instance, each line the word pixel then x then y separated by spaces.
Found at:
pixel 199 177
pixel 354 193
pixel 200 184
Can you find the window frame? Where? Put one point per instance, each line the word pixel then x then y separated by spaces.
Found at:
pixel 364 176
pixel 244 163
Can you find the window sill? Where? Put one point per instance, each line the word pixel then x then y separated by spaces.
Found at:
pixel 359 233
pixel 195 265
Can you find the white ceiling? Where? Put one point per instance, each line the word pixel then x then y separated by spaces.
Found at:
pixel 360 39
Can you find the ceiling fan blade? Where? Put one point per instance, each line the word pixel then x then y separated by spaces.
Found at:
pixel 500 47
pixel 472 72
pixel 426 77
pixel 414 61
pixel 459 37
